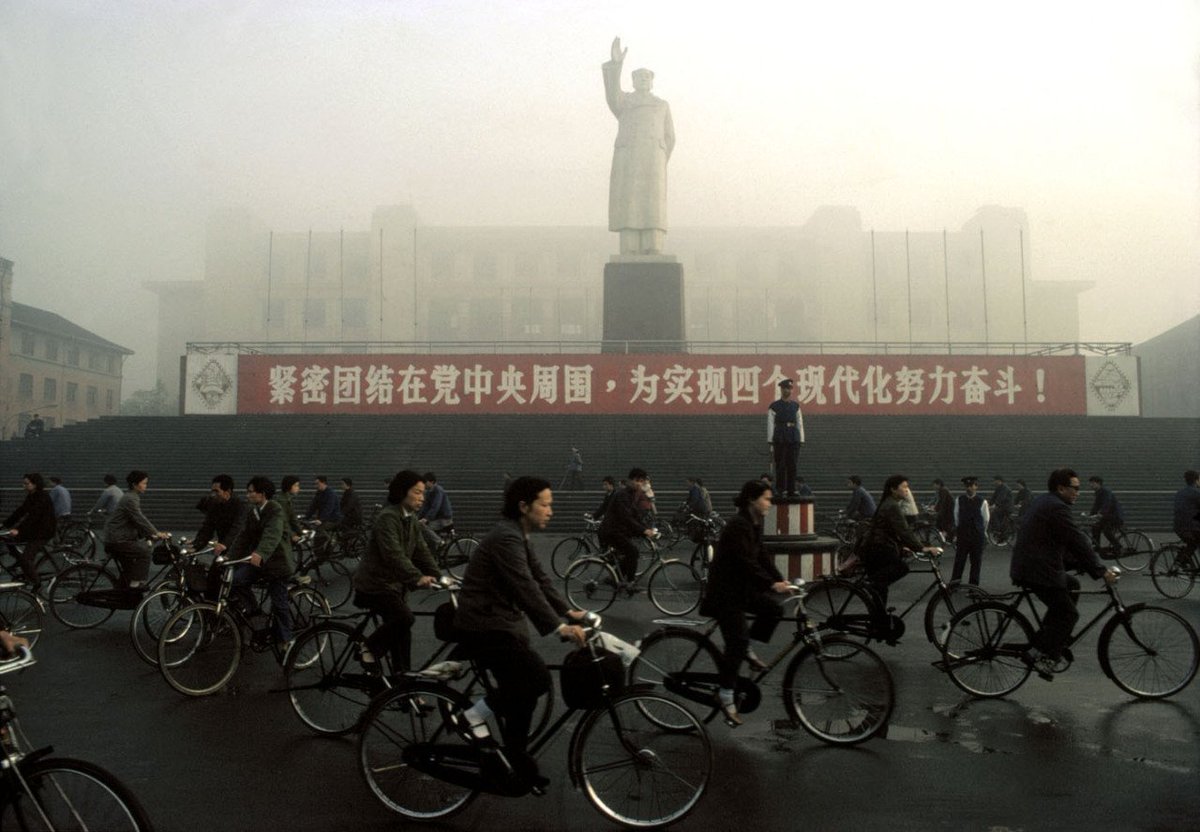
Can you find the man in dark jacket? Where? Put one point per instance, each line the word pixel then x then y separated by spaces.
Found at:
pixel 32 525
pixel 265 538
pixel 943 509
pixel 324 511
pixel 1187 515
pixel 623 523
pixel 224 515
pixel 1106 513
pixel 1048 544
pixel 350 506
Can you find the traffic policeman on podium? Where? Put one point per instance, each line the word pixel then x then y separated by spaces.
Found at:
pixel 785 433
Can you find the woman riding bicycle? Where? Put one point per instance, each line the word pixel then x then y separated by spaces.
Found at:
pixel 504 584
pixel 888 535
pixel 127 530
pixel 397 560
pixel 743 579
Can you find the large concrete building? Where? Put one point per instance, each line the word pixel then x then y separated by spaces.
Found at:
pixel 52 367
pixel 830 280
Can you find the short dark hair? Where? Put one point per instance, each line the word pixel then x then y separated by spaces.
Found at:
pixel 1096 479
pixel 262 485
pixel 637 474
pixel 56 480
pixel 322 478
pixel 522 490
pixel 287 482
pixel 967 481
pixel 751 491
pixel 891 482
pixel 997 477
pixel 1060 476
pixel 855 478
pixel 109 479
pixel 134 477
pixel 401 484
pixel 1020 482
pixel 39 482
pixel 1191 477
pixel 609 480
pixel 429 476
pixel 938 482
pixel 347 481
pixel 224 481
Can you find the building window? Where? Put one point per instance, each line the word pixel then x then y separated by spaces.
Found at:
pixel 27 343
pixel 111 361
pixel 72 392
pixel 108 400
pixel 50 389
pixel 91 396
pixel 73 356
pixel 94 361
pixel 51 349
pixel 25 386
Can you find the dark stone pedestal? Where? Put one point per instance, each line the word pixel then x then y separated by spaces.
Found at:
pixel 643 306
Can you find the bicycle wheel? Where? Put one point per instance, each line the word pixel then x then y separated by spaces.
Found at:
pixel 674 587
pixel 22 613
pixel 566 552
pixel 458 555
pixel 308 606
pixel 146 625
pixel 71 795
pixel 983 649
pixel 1000 533
pixel 65 589
pixel 1173 573
pixel 334 580
pixel 944 604
pixel 841 693
pixel 328 686
pixel 840 606
pixel 400 726
pixel 78 537
pixel 200 649
pixel 49 563
pixel 1150 652
pixel 1136 550
pixel 634 770
pixel 591 584
pixel 684 663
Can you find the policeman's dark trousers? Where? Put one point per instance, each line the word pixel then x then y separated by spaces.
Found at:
pixel 787 455
pixel 627 554
pixel 394 632
pixel 968 547
pixel 1060 616
pixel 737 633
pixel 521 677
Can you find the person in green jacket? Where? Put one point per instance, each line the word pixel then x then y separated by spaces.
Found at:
pixel 265 538
pixel 289 487
pixel 397 561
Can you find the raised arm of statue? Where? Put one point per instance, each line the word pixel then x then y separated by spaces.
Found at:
pixel 618 54
pixel 612 77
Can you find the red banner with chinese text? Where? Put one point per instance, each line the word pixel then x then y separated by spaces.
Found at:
pixel 671 384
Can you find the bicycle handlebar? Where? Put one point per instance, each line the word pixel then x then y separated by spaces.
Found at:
pixel 23 658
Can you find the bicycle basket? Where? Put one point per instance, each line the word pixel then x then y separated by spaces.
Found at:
pixel 202 580
pixel 584 677
pixel 163 553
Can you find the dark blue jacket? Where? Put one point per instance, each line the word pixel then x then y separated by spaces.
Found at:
pixel 1049 543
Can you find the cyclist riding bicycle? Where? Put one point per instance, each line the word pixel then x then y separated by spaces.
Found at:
pixel 224 516
pixel 1048 544
pixel 127 529
pixel 890 534
pixel 397 560
pixel 33 524
pixel 623 522
pixel 266 538
pixel 436 514
pixel 1186 522
pixel 504 585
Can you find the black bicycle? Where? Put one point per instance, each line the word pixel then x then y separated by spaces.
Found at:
pixel 1174 570
pixel 640 758
pixel 1150 652
pixel 40 792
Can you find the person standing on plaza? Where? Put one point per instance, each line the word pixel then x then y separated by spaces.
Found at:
pixel 1107 514
pixel 109 497
pixel 350 506
pixel 127 531
pixel 943 509
pixel 785 433
pixel 504 589
pixel 60 497
pixel 32 524
pixel 862 504
pixel 1048 545
pixel 1001 503
pixel 397 561
pixel 35 428
pixel 971 517
pixel 1186 518
pixel 743 579
pixel 1022 499
pixel 573 478
pixel 623 523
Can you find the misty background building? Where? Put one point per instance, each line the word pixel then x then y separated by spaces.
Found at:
pixel 828 282
pixel 52 367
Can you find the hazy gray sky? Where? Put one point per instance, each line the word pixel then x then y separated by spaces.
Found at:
pixel 123 123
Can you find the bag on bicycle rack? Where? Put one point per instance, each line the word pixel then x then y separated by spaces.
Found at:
pixel 163 553
pixel 584 677
pixel 204 580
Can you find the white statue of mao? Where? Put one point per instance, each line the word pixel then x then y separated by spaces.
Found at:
pixel 637 194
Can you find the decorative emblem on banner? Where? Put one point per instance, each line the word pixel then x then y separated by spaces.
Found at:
pixel 1110 385
pixel 212 384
